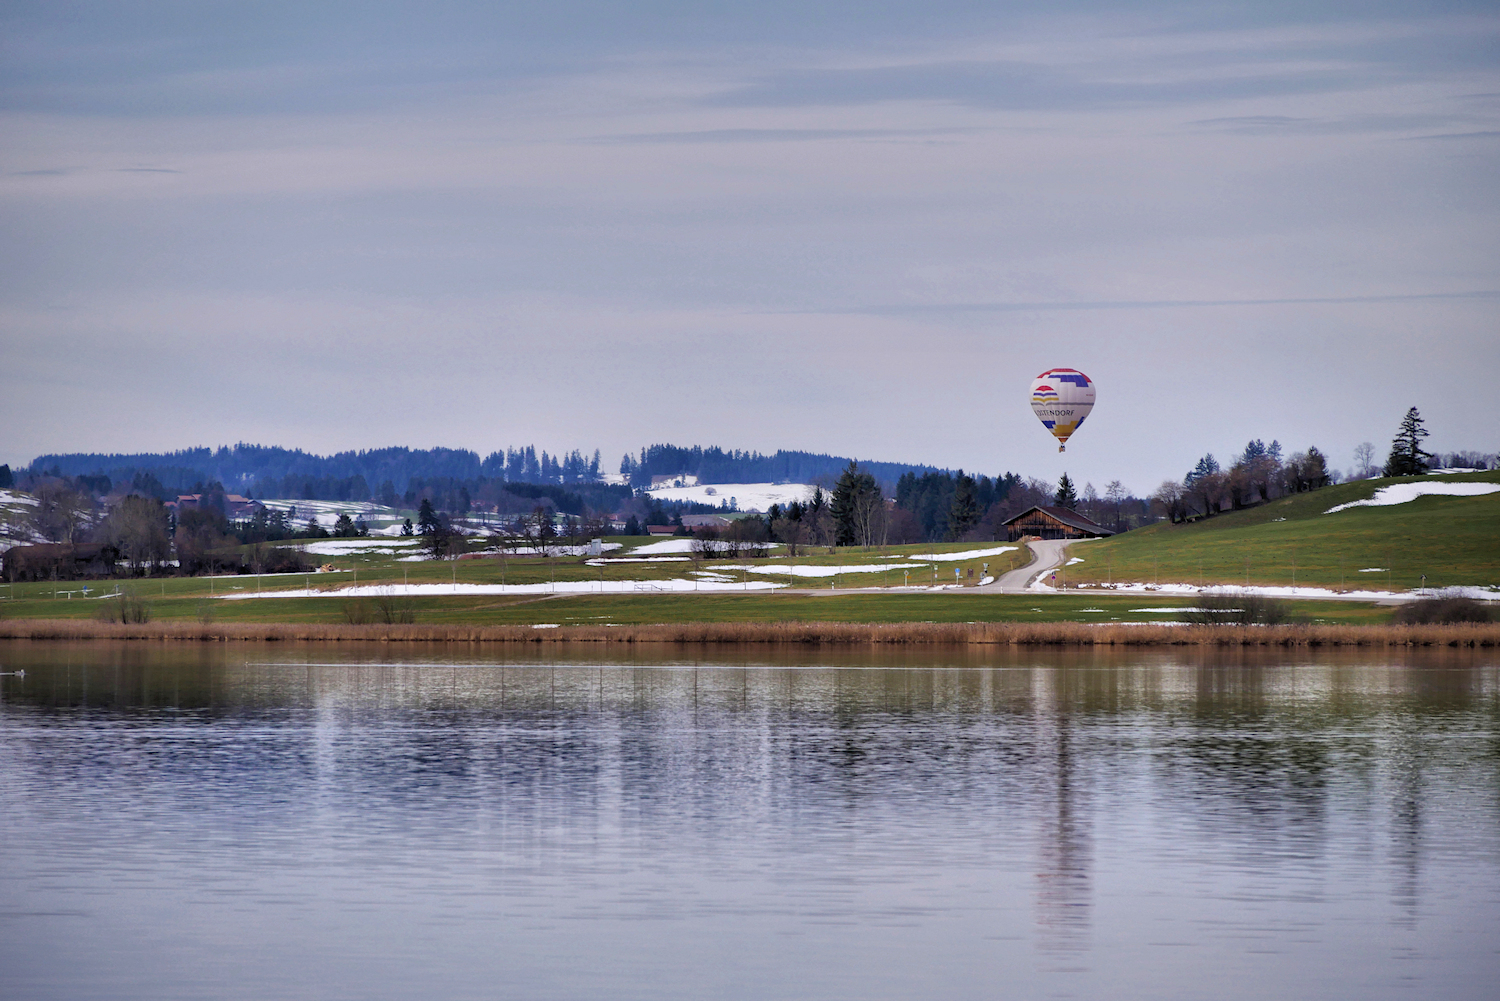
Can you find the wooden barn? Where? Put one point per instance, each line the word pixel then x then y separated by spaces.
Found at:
pixel 1054 523
pixel 59 561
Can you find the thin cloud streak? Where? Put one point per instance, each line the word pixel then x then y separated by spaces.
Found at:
pixel 1034 307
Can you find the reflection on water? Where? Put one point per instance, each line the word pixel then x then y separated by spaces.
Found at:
pixel 330 821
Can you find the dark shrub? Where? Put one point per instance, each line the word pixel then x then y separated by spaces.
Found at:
pixel 124 607
pixel 1441 610
pixel 1238 608
pixel 358 612
pixel 394 610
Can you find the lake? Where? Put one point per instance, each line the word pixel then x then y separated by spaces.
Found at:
pixel 348 821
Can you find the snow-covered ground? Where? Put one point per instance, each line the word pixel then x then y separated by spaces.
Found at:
pixel 748 496
pixel 609 561
pixel 327 512
pixel 1402 493
pixel 370 546
pixel 816 571
pixel 676 545
pixel 15 525
pixel 560 587
pixel 558 549
pixel 1478 593
pixel 967 554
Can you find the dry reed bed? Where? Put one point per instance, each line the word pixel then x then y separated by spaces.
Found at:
pixel 845 634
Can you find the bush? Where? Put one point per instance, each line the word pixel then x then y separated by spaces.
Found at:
pixel 358 612
pixel 1238 608
pixel 278 559
pixel 124 607
pixel 1442 610
pixel 395 611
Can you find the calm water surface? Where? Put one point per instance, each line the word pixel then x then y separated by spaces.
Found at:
pixel 273 821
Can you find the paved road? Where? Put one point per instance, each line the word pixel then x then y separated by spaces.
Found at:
pixel 1045 554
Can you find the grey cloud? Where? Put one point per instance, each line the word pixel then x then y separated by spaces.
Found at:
pixel 1456 135
pixel 1346 125
pixel 1117 75
pixel 1127 304
pixel 775 135
pixel 1013 86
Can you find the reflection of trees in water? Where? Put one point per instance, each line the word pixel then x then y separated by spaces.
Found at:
pixel 1258 759
pixel 1064 855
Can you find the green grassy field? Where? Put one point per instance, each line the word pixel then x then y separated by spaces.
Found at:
pixel 1452 540
pixel 754 607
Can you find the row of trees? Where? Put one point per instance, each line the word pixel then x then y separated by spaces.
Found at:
pixel 269 471
pixel 1258 474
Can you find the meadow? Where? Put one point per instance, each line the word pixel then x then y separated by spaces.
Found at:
pixel 1292 541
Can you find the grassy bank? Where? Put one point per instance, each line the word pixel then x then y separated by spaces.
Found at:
pixel 624 609
pixel 1450 540
pixel 805 633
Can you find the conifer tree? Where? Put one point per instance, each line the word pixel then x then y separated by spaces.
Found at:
pixel 1407 457
pixel 427 519
pixel 1066 496
pixel 963 513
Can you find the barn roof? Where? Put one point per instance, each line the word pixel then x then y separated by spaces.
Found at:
pixel 1068 517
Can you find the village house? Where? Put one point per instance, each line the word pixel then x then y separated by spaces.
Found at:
pixel 235 506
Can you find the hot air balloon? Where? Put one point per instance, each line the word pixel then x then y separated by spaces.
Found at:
pixel 1061 398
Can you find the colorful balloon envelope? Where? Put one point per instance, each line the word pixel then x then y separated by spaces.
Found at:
pixel 1061 398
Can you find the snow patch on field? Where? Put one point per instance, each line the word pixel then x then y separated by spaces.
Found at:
pixel 967 554
pixel 548 550
pixel 1402 493
pixel 327 512
pixel 1490 593
pixel 1076 559
pixel 678 545
pixel 347 547
pixel 748 496
pixel 815 571
pixel 684 545
pixel 560 587
pixel 639 559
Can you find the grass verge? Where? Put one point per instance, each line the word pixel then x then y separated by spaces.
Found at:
pixel 848 634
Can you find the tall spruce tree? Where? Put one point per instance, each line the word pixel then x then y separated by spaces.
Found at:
pixel 1066 496
pixel 963 513
pixel 427 519
pixel 1407 457
pixel 851 498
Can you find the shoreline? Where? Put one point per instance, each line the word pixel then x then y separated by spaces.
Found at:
pixel 841 634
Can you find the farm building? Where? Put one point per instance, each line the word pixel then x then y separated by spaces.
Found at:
pixel 60 561
pixel 1054 523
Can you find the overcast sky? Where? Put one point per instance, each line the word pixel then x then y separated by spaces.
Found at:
pixel 857 228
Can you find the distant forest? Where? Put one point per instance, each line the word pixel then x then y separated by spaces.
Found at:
pixel 388 475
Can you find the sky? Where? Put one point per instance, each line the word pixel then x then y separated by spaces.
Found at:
pixel 855 228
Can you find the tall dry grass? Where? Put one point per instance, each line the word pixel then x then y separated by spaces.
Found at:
pixel 845 634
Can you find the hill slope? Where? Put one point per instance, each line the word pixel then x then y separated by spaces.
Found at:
pixel 1452 540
